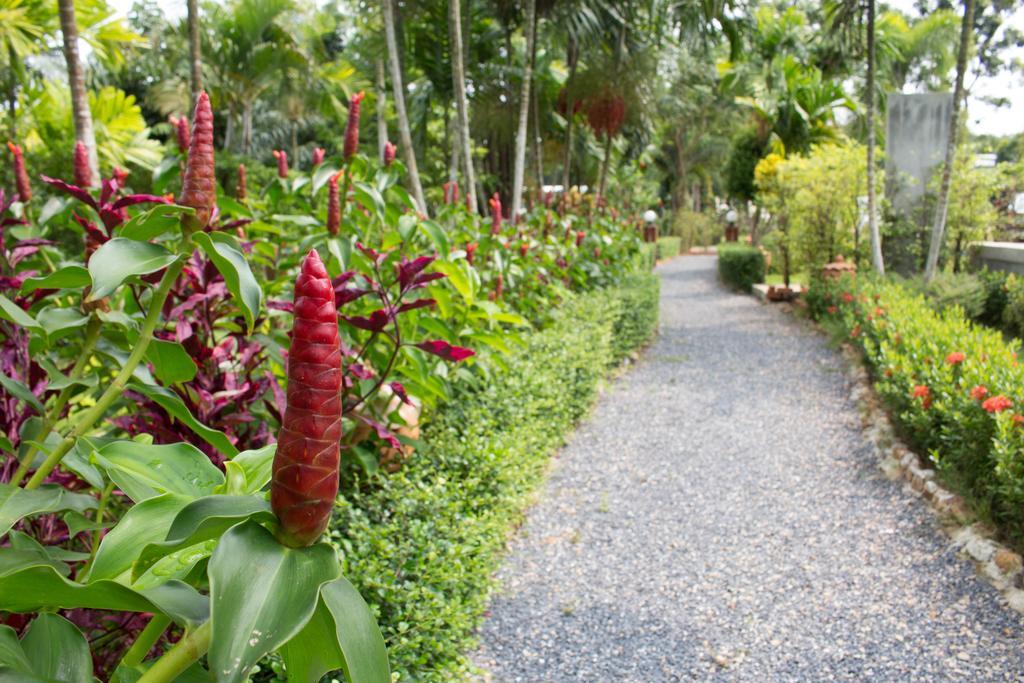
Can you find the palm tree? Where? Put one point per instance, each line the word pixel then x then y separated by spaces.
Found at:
pixel 519 168
pixel 464 134
pixel 23 27
pixel 939 226
pixel 81 115
pixel 398 89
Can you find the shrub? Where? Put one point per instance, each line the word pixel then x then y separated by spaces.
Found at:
pixel 669 247
pixel 1013 311
pixel 695 229
pixel 958 289
pixel 995 297
pixel 740 266
pixel 636 316
pixel 423 543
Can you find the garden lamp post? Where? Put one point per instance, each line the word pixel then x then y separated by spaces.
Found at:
pixel 732 233
pixel 650 229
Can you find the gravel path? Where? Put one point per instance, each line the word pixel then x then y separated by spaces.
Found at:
pixel 720 517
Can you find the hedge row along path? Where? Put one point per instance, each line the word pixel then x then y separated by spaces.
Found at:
pixel 720 516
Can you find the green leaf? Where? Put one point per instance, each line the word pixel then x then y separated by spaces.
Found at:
pixel 342 634
pixel 172 403
pixel 17 503
pixel 29 583
pixel 157 221
pixel 262 594
pixel 12 312
pixel 301 221
pixel 145 470
pixel 202 520
pixel 121 258
pixel 257 465
pixel 68 277
pixel 21 392
pixel 232 265
pixel 12 657
pixel 322 175
pixel 54 320
pixel 77 523
pixel 437 236
pixel 57 650
pixel 143 524
pixel 58 380
pixel 171 361
pixel 176 565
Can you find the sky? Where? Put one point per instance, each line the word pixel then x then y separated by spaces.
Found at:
pixel 982 117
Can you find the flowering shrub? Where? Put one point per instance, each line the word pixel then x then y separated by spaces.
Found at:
pixel 953 385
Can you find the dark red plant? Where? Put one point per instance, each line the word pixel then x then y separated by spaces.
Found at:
pixel 305 475
pixel 282 163
pixel 318 156
pixel 21 183
pixel 471 251
pixel 352 127
pixel 240 187
pixel 495 203
pixel 182 133
pixel 199 187
pixel 606 112
pixel 389 153
pixel 83 172
pixel 451 192
pixel 580 236
pixel 333 204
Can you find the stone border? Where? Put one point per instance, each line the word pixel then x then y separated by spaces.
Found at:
pixel 999 565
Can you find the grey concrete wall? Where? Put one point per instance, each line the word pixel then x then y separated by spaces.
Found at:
pixel 917 128
pixel 1005 256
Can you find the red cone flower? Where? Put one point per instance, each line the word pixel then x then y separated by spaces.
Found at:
pixel 20 174
pixel 199 188
pixel 305 474
pixel 183 134
pixel 471 251
pixel 318 156
pixel 389 153
pixel 495 203
pixel 282 163
pixel 333 204
pixel 352 128
pixel 579 237
pixel 83 173
pixel 241 191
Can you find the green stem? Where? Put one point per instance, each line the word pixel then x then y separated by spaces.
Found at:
pixel 92 334
pixel 144 643
pixel 116 388
pixel 104 499
pixel 180 657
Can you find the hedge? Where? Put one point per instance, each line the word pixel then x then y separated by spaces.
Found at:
pixel 423 543
pixel 954 387
pixel 740 266
pixel 669 247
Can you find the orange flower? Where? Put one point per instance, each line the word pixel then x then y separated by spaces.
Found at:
pixel 1018 419
pixel 956 358
pixel 922 392
pixel 847 298
pixel 979 393
pixel 997 404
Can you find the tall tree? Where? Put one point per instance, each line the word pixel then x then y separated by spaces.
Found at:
pixel 876 237
pixel 398 90
pixel 463 135
pixel 942 206
pixel 76 79
pixel 529 30
pixel 194 50
pixel 382 110
pixel 572 58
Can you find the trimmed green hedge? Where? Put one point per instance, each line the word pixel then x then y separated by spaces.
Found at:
pixel 740 266
pixel 421 545
pixel 669 247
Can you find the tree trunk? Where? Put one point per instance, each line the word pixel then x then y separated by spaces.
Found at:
pixel 295 143
pixel 939 226
pixel 398 90
pixel 76 79
pixel 382 109
pixel 246 127
pixel 229 130
pixel 463 134
pixel 538 157
pixel 195 49
pixel 876 236
pixel 518 171
pixel 572 57
pixel 604 165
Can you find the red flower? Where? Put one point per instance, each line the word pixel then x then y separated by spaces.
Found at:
pixel 282 163
pixel 352 127
pixel 83 173
pixel 240 189
pixel 451 192
pixel 997 404
pixel 922 392
pixel 855 332
pixel 199 187
pixel 1018 419
pixel 888 372
pixel 832 310
pixel 470 251
pixel 389 153
pixel 978 393
pixel 956 358
pixel 333 204
pixel 305 474
pixel 495 203
pixel 21 183
pixel 318 156
pixel 579 237
pixel 523 248
pixel 847 298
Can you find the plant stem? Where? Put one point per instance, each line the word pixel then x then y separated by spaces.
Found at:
pixel 116 388
pixel 145 641
pixel 92 334
pixel 104 499
pixel 180 657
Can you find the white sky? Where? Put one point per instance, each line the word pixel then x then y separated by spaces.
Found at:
pixel 983 118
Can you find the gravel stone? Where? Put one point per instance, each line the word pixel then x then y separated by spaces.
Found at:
pixel 721 517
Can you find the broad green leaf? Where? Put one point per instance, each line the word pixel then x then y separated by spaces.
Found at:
pixel 173 404
pixel 176 565
pixel 457 276
pixel 21 392
pixel 57 650
pixel 144 470
pixel 68 277
pixel 437 236
pixel 262 593
pixel 143 524
pixel 17 503
pixel 77 523
pixel 238 277
pixel 55 320
pixel 257 465
pixel 322 175
pixel 58 380
pixel 171 361
pixel 121 258
pixel 301 221
pixel 12 312
pixel 154 222
pixel 232 207
pixel 30 584
pixel 202 520
pixel 12 658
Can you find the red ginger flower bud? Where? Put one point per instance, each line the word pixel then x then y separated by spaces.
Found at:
pixel 333 204
pixel 83 173
pixel 282 163
pixel 305 473
pixel 495 203
pixel 199 188
pixel 389 153
pixel 318 156
pixel 183 134
pixel 471 251
pixel 240 189
pixel 352 127
pixel 21 183
pixel 579 237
